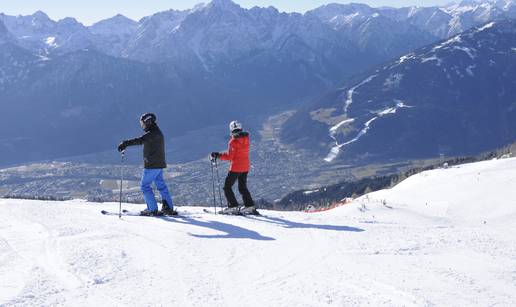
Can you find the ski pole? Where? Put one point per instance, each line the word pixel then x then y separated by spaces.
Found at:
pixel 121 184
pixel 213 183
pixel 218 182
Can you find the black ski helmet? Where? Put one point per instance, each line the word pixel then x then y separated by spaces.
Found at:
pixel 148 119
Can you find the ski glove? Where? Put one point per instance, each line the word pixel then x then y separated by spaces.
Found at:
pixel 215 155
pixel 122 146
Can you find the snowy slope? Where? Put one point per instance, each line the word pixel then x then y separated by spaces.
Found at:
pixel 446 240
pixel 474 193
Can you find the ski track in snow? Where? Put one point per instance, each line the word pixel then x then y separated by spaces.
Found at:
pixel 352 90
pixel 443 237
pixel 334 152
pixel 334 129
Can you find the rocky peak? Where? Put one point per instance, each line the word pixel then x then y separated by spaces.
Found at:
pixel 5 36
pixel 223 8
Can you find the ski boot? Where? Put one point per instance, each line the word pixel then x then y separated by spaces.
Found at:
pixel 166 210
pixel 146 212
pixel 249 210
pixel 230 211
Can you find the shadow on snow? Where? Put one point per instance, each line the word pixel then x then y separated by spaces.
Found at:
pixel 236 232
pixel 290 224
pixel 231 231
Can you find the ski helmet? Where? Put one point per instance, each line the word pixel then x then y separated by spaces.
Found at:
pixel 235 125
pixel 148 118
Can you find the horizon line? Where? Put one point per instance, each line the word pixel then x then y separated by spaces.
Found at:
pixel 57 19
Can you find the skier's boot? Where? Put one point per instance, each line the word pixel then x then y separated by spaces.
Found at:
pixel 249 210
pixel 166 210
pixel 231 211
pixel 146 212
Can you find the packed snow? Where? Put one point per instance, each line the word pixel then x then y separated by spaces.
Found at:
pixel 334 152
pixel 487 26
pixel 51 42
pixel 351 92
pixel 442 237
pixel 334 129
pixel 453 40
pixel 406 57
pixel 433 58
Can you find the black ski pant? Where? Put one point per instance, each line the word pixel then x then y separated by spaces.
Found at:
pixel 242 188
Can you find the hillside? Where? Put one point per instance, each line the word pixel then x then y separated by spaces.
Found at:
pixel 441 237
pixel 455 97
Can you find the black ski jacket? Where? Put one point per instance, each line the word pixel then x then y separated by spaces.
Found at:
pixel 153 147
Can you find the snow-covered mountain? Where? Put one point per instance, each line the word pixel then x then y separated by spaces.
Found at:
pixel 15 62
pixel 441 22
pixel 268 60
pixel 217 56
pixel 221 34
pixel 222 25
pixel 118 25
pixel 42 35
pixel 150 32
pixel 225 39
pixel 443 237
pixel 213 33
pixel 111 35
pixel 455 97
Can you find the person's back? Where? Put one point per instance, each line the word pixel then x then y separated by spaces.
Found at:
pixel 238 155
pixel 154 148
pixel 238 152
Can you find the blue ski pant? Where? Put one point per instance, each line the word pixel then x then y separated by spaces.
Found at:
pixel 148 177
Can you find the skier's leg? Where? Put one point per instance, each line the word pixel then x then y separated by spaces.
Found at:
pixel 163 190
pixel 242 188
pixel 147 178
pixel 228 189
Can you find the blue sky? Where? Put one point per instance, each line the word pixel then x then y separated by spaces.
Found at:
pixel 90 11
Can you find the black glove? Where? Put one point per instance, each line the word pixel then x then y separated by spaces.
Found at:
pixel 215 155
pixel 122 146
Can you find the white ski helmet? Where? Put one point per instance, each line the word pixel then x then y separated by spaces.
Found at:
pixel 235 125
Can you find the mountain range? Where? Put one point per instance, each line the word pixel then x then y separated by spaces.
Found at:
pixel 222 30
pixel 455 97
pixel 69 83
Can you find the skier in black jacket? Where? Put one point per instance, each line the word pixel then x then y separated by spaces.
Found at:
pixel 154 163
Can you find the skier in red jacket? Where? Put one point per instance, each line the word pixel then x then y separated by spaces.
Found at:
pixel 238 155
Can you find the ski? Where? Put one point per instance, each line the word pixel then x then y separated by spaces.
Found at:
pixel 131 213
pixel 124 213
pixel 255 213
pixel 221 213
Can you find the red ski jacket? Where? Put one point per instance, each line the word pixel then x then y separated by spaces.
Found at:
pixel 238 153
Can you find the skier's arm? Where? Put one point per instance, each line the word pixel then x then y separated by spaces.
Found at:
pixel 230 154
pixel 133 142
